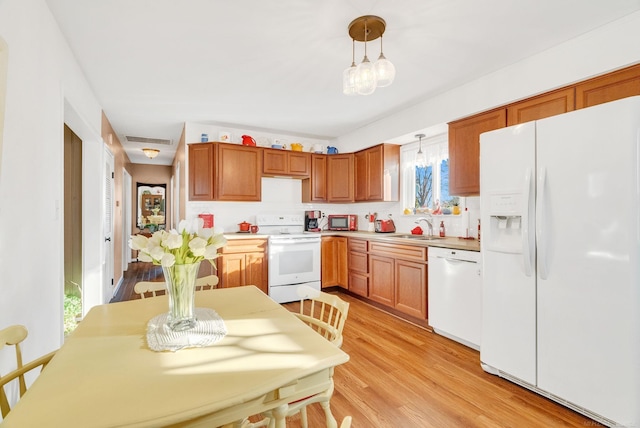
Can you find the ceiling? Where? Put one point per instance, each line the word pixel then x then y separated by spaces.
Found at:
pixel 277 65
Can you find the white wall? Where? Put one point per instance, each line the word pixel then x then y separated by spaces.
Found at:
pixel 44 83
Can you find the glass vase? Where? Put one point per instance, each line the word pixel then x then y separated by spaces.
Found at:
pixel 181 286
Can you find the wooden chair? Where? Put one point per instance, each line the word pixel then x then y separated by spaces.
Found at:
pixel 14 335
pixel 326 314
pixel 346 422
pixel 209 282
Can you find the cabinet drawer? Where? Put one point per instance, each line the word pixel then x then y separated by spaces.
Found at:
pixel 358 262
pixel 359 284
pixel 398 251
pixel 244 246
pixel 358 245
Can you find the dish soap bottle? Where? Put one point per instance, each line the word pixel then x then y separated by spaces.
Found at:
pixel 442 229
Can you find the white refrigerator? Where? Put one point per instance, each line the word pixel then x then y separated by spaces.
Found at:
pixel 560 215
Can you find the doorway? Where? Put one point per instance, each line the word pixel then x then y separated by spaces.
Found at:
pixel 72 228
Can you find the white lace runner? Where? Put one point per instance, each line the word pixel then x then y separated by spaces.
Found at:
pixel 209 329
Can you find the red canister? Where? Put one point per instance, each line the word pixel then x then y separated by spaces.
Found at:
pixel 208 220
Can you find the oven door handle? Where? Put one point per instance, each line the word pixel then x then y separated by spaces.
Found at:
pixel 294 240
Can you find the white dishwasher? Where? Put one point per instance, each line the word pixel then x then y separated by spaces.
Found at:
pixel 455 295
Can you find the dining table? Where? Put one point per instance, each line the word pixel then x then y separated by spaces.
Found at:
pixel 106 375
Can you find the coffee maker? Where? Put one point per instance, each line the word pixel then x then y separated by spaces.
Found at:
pixel 312 221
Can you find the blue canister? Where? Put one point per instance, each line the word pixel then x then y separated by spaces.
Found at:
pixel 204 138
pixel 332 150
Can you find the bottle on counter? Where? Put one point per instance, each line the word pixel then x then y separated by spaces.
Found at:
pixel 442 229
pixel 478 230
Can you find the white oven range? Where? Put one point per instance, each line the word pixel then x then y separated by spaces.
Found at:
pixel 294 255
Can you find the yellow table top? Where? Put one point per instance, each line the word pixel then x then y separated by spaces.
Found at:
pixel 105 375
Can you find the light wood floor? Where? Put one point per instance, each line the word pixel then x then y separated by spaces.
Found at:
pixel 403 376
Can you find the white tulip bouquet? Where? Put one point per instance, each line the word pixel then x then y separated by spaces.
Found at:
pixel 191 243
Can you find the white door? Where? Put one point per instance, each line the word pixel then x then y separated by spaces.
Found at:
pixel 507 165
pixel 126 220
pixel 588 259
pixel 107 264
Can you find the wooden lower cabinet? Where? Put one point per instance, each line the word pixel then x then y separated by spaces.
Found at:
pixel 334 261
pixel 398 277
pixel 244 262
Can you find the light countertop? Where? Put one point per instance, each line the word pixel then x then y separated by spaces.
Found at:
pixel 398 238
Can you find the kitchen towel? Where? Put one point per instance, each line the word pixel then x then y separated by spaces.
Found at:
pixel 209 329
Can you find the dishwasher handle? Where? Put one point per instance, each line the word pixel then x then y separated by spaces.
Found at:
pixel 453 260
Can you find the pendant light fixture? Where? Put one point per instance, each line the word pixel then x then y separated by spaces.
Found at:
pixel 366 77
pixel 420 161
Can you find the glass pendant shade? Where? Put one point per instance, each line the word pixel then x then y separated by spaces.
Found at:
pixel 349 80
pixel 366 80
pixel 385 71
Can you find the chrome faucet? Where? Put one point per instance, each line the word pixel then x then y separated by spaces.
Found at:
pixel 429 224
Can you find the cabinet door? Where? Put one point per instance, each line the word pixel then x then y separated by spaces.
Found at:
pixel 274 162
pixel 464 150
pixel 613 86
pixel 238 175
pixel 381 278
pixel 314 189
pixel 410 288
pixel 340 178
pixel 201 172
pixel 342 262
pixel 329 268
pixel 256 271
pixel 362 176
pixel 231 270
pixel 549 104
pixel 359 284
pixel 299 164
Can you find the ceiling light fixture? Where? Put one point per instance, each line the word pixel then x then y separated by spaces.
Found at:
pixel 151 153
pixel 420 162
pixel 366 77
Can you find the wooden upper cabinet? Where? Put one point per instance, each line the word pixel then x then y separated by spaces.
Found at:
pixel 288 163
pixel 545 105
pixel 201 172
pixel 464 150
pixel 237 173
pixel 377 173
pixel 610 87
pixel 340 178
pixel 314 188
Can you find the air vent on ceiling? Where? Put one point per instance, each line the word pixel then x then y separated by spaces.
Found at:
pixel 148 140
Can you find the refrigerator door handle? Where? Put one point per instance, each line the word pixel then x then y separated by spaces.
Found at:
pixel 541 224
pixel 527 228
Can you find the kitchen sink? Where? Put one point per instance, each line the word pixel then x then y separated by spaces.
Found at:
pixel 418 237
